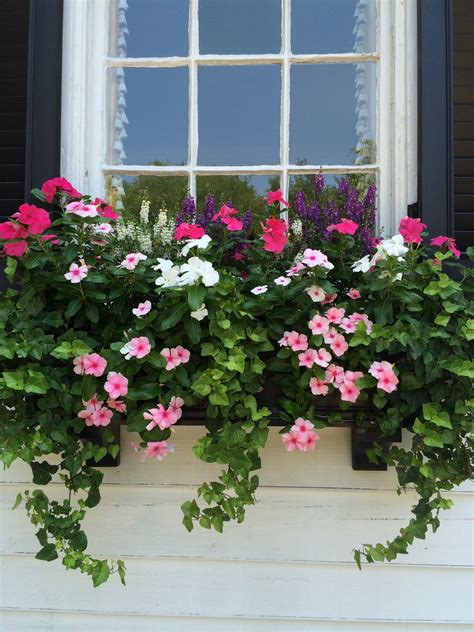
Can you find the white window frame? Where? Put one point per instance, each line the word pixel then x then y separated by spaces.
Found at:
pixel 84 106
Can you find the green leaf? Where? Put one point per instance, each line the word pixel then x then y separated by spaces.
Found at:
pixel 100 573
pixel 18 500
pixel 174 316
pixel 10 268
pixel 15 381
pixel 89 387
pixel 442 319
pixel 36 383
pixel 196 294
pixel 73 307
pixel 193 329
pixel 48 553
pixel 432 413
pixel 92 312
pixel 464 368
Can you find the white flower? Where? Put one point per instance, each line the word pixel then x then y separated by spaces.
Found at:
pixel 126 351
pixel 200 313
pixel 363 265
pixel 260 289
pixel 103 229
pixel 297 228
pixel 169 277
pixel 132 260
pixel 282 280
pixel 164 265
pixel 316 293
pixel 196 268
pixel 144 211
pixel 202 243
pixel 393 247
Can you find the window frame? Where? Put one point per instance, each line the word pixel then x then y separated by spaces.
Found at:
pixel 85 38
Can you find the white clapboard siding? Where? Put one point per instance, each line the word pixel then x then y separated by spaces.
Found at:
pixel 287 568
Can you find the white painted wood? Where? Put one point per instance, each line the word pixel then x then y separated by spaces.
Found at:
pixel 180 587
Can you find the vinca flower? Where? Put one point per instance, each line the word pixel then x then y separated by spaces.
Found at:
pixel 260 289
pixel 142 309
pixel 202 243
pixel 76 273
pixel 201 313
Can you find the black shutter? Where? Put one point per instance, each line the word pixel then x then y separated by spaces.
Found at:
pixel 446 117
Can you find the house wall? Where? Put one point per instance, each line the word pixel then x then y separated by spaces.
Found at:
pixel 288 568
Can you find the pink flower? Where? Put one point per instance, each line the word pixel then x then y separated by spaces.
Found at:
pixel 386 379
pixel 12 230
pixel 313 258
pixel 15 248
pixel 76 273
pixel 298 342
pixel 357 318
pixel 330 336
pixel 318 325
pixel 50 187
pixel 348 326
pixel 86 415
pixel 302 425
pixel 335 315
pixel 137 348
pixel 93 364
pixel 295 269
pixel 191 231
pixel 291 440
pixel 282 280
pixel 232 223
pixel 176 404
pixel 318 387
pixel 353 293
pixel 316 293
pixel 116 385
pixel 349 392
pixel 117 404
pixel 352 376
pixel 275 196
pixel 339 345
pixel 307 358
pixel 345 227
pixel 105 210
pixel 132 260
pixel 142 309
pixel 157 450
pixel 329 298
pixel 101 417
pixel 411 230
pixel 274 235
pixel 335 374
pixel 450 243
pixel 175 356
pixel 55 241
pixel 224 213
pixel 260 289
pixel 285 339
pixel 82 210
pixel 308 441
pixel 93 402
pixel 322 358
pixel 161 417
pixel 79 364
pixel 182 354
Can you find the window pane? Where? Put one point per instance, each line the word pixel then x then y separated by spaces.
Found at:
pixel 151 116
pixel 239 115
pixel 149 28
pixel 327 186
pixel 239 26
pixel 333 114
pixel 163 192
pixel 333 26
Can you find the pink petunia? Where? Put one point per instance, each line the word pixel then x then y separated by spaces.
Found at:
pixel 136 348
pixel 94 364
pixel 101 417
pixel 275 196
pixel 76 273
pixel 116 385
pixel 353 293
pixel 142 309
pixel 318 325
pixel 307 358
pixel 190 231
pixel 411 230
pixel 339 345
pixel 157 450
pixel 318 387
pixel 449 242
pixel 335 315
pixel 345 227
pixel 15 248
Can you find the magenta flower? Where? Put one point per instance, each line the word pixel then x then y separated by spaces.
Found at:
pixel 15 248
pixel 353 293
pixel 345 227
pixel 450 244
pixel 116 385
pixel 411 230
pixel 142 309
pixel 50 188
pixel 275 196
pixel 318 325
pixel 190 231
pixel 318 387
pixel 94 364
pixel 136 347
pixel 274 235
pixel 37 219
pixel 77 273
pixel 52 238
pixel 12 230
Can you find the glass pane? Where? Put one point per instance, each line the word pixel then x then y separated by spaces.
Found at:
pixel 333 26
pixel 239 115
pixel 163 193
pixel 149 28
pixel 239 26
pixel 333 114
pixel 150 125
pixel 244 193
pixel 328 186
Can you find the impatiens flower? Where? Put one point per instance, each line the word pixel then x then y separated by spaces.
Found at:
pixel 260 289
pixel 339 345
pixel 274 234
pixel 313 258
pixel 101 417
pixel 117 404
pixel 142 309
pixel 202 243
pixel 295 269
pixel 316 293
pixel 307 358
pixel 298 342
pixel 384 374
pixel 275 196
pixel 449 242
pixel 302 425
pixel 157 450
pixel 335 374
pixel 349 391
pixel 76 273
pixel 200 313
pixel 322 358
pixel 82 210
pixel 318 387
pixel 132 260
pixel 281 280
pixel 175 356
pixel 353 293
pixel 136 347
pixel 93 364
pixel 191 231
pixel 318 325
pixel 330 335
pixel 50 187
pixel 15 248
pixel 161 417
pixel 345 227
pixel 335 315
pixel 12 230
pixel 411 230
pixel 116 385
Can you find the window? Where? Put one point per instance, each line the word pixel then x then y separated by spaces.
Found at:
pixel 252 93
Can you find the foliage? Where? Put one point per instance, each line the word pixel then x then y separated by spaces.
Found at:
pixel 217 330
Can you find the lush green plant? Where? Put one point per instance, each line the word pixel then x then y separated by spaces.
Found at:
pixel 221 311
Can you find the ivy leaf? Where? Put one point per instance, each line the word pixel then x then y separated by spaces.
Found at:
pixel 15 380
pixel 48 553
pixel 100 573
pixel 464 368
pixel 10 268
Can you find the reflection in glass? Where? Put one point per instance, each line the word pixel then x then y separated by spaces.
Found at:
pixel 239 26
pixel 149 28
pixel 333 114
pixel 150 125
pixel 163 192
pixel 325 187
pixel 333 26
pixel 239 115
